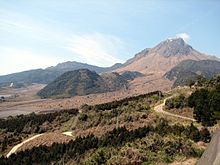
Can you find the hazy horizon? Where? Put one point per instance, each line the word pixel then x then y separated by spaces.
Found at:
pixel 39 34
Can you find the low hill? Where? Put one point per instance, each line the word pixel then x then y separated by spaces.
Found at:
pixel 83 82
pixel 190 69
pixel 45 76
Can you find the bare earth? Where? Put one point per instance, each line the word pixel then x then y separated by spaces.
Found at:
pixel 28 102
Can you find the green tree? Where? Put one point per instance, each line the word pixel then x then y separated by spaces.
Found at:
pixel 214 101
pixel 202 111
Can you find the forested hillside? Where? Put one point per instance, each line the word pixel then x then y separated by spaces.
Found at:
pixel 83 82
pixel 123 131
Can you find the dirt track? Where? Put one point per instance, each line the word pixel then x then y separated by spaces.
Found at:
pixel 14 149
pixel 159 109
pixel 38 136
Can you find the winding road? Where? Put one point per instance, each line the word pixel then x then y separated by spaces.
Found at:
pixel 159 109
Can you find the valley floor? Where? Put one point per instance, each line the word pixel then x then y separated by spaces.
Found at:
pixel 27 102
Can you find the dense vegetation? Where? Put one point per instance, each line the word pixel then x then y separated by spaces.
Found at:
pixel 124 131
pixel 16 124
pixel 206 105
pixel 115 138
pixel 83 82
pixel 204 100
pixel 128 111
pixel 124 102
pixel 176 102
pixel 13 129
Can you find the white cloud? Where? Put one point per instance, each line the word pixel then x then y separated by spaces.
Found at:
pixel 97 49
pixel 16 60
pixel 184 36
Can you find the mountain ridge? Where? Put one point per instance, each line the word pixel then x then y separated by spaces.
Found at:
pixel 191 69
pixel 152 63
pixel 164 56
pixel 45 76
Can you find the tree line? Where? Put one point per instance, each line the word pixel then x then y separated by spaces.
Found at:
pixel 117 137
pixel 16 124
pixel 117 103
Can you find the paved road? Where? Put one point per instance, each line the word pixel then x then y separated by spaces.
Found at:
pixel 159 109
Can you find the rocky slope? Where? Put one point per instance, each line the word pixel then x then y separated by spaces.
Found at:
pixel 190 69
pixel 155 62
pixel 163 57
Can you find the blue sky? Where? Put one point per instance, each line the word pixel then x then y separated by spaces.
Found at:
pixel 42 33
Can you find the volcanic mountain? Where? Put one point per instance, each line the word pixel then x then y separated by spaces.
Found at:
pixel 145 71
pixel 154 62
pixel 163 57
